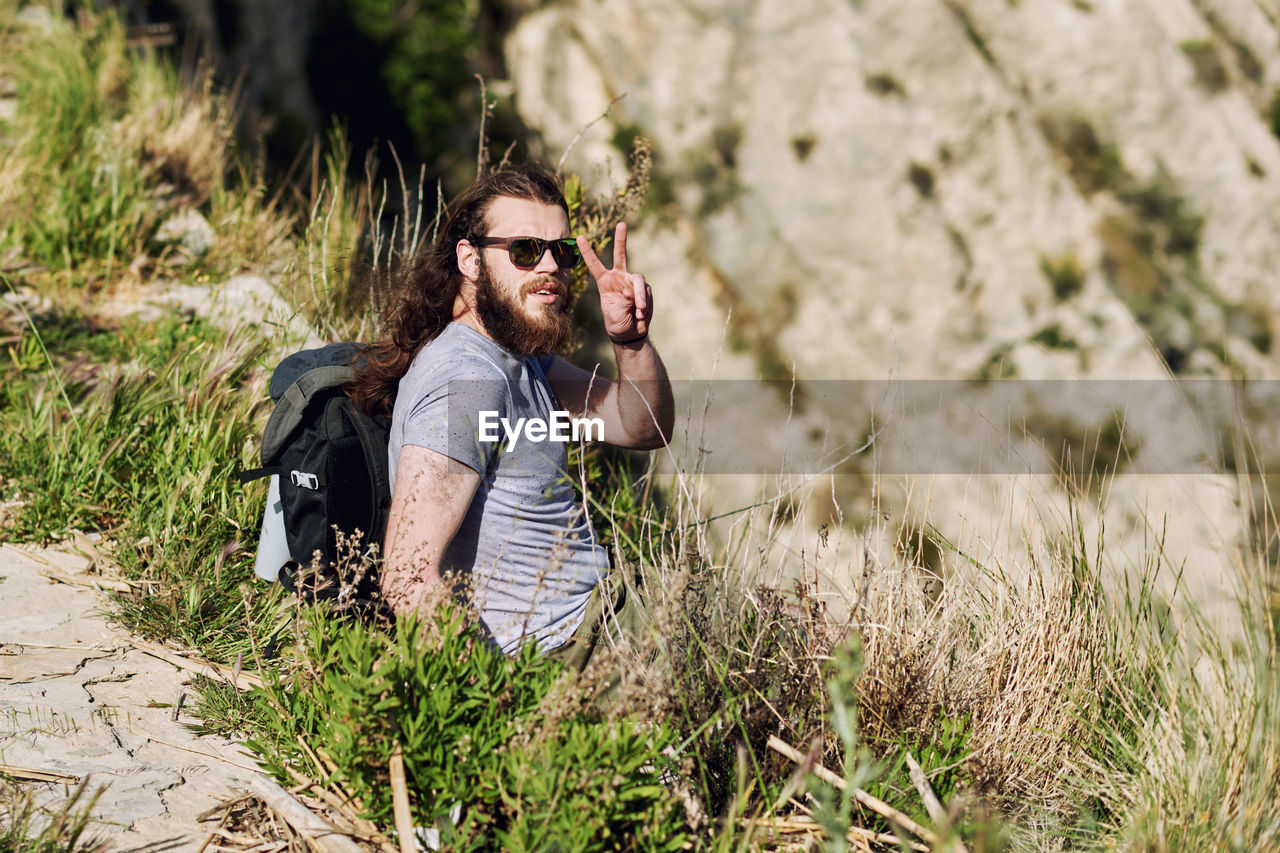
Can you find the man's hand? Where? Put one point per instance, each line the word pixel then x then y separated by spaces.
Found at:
pixel 626 300
pixel 637 410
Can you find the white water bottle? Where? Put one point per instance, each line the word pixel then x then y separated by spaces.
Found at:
pixel 273 548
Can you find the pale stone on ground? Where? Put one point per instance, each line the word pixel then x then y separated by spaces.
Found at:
pixel 243 304
pixel 77 699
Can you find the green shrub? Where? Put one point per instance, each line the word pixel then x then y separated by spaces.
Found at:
pixel 1273 114
pixel 1065 275
pixel 1174 227
pixel 1209 69
pixel 408 66
pixel 494 737
pixel 743 665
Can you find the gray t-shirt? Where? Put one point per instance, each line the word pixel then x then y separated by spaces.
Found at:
pixel 525 548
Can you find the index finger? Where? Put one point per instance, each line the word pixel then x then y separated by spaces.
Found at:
pixel 620 247
pixel 590 258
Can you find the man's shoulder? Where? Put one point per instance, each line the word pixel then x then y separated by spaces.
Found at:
pixel 459 352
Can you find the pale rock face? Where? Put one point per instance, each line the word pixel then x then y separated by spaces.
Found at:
pixel 881 188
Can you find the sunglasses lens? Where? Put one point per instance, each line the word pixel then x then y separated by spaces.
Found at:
pixel 566 253
pixel 525 251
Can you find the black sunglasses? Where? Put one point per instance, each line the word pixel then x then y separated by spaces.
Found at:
pixel 527 251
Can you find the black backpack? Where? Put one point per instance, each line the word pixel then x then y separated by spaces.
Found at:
pixel 334 488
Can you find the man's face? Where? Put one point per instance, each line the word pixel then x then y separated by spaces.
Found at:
pixel 527 310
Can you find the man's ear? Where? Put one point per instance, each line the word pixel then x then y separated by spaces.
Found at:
pixel 468 262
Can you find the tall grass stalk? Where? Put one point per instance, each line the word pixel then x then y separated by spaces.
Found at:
pixel 25 827
pixel 1193 749
pixel 334 277
pixel 44 351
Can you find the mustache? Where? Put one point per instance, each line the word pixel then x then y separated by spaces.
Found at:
pixel 551 283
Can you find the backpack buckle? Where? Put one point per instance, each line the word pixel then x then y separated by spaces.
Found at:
pixel 303 480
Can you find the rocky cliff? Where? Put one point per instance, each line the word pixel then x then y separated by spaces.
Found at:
pixel 1071 190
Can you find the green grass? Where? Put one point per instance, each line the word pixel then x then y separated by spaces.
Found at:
pixel 137 430
pixel 27 828
pixel 77 207
pixel 107 145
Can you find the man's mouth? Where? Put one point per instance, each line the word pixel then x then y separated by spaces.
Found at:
pixel 548 293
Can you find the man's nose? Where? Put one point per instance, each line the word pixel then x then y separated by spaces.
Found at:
pixel 546 261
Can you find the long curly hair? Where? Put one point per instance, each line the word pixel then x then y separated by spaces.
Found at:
pixel 424 291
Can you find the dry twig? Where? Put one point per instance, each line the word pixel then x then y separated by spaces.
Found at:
pixel 931 802
pixel 856 834
pixel 876 805
pixel 309 825
pixel 30 774
pixel 348 807
pixel 188 663
pixel 400 801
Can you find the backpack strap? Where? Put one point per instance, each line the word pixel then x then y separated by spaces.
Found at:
pixel 301 479
pixel 299 363
pixel 258 473
pixel 375 454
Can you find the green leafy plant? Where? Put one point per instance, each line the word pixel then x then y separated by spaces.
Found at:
pixel 497 753
pixel 403 70
pixel 942 752
pixel 836 807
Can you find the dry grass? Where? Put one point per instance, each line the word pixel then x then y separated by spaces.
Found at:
pixel 183 133
pixel 1019 658
pixel 182 130
pixel 1092 708
pixel 247 824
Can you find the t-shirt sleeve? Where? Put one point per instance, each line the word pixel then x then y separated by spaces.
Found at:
pixel 457 413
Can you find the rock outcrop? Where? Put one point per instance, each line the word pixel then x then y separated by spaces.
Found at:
pixel 1073 190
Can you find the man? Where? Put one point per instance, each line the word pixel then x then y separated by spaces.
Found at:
pixel 473 339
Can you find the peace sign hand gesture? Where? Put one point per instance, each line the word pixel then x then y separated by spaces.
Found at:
pixel 626 300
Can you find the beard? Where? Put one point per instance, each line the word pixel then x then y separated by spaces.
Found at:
pixel 507 319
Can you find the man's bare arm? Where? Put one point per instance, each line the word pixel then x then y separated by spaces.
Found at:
pixel 432 495
pixel 637 411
